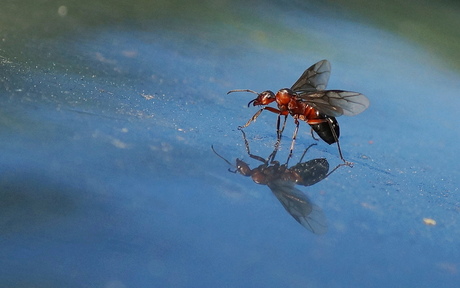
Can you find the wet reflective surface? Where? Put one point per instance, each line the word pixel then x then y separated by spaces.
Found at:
pixel 281 179
pixel 107 176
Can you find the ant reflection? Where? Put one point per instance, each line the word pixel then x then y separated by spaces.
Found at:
pixel 282 180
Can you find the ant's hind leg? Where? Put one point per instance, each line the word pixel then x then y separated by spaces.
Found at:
pixel 345 162
pixel 306 150
pixel 350 164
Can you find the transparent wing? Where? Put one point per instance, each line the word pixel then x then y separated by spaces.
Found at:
pixel 314 78
pixel 299 206
pixel 335 102
pixel 312 171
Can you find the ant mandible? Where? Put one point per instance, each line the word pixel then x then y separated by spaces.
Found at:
pixel 307 100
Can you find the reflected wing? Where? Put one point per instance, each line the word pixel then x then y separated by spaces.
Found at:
pixel 299 206
pixel 314 78
pixel 335 102
pixel 312 171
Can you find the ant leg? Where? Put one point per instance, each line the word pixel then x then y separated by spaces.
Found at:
pixel 313 135
pixel 350 164
pixel 278 130
pixel 305 152
pixel 271 109
pixel 252 119
pixel 271 157
pixel 278 140
pixel 278 135
pixel 336 167
pixel 278 126
pixel 294 136
pixel 246 143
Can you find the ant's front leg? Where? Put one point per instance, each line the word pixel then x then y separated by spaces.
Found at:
pixel 271 109
pixel 252 119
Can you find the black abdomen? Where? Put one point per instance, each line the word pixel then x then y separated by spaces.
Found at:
pixel 324 130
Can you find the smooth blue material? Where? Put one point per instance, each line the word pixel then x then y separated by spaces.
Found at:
pixel 107 177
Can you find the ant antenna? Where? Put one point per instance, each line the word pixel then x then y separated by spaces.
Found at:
pixel 228 162
pixel 242 90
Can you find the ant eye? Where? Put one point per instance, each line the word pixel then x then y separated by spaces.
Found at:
pixel 268 95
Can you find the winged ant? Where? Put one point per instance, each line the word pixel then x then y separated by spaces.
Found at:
pixel 307 100
pixel 282 180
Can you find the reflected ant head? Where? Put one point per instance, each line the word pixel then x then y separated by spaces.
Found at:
pixel 257 175
pixel 283 96
pixel 263 98
pixel 243 168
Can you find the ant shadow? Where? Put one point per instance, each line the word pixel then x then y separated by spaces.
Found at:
pixel 282 179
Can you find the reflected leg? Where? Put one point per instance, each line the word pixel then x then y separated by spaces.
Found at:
pixel 246 143
pixel 305 152
pixel 294 136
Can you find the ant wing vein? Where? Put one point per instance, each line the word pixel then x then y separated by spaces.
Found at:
pixel 335 102
pixel 299 206
pixel 314 78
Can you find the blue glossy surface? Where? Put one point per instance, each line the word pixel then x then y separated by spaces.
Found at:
pixel 108 178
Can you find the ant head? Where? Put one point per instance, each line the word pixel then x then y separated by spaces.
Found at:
pixel 263 98
pixel 243 168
